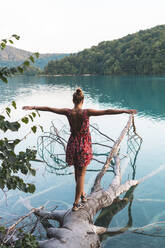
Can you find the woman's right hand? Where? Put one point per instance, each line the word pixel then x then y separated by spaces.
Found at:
pixel 28 107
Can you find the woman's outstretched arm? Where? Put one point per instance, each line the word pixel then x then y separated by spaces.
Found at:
pixel 60 111
pixel 94 112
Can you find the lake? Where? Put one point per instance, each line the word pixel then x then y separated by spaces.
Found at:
pixel 146 94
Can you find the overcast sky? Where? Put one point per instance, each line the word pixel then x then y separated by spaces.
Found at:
pixel 50 26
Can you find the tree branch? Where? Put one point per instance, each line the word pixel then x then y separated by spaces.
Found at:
pixel 99 176
pixel 57 215
pixel 11 228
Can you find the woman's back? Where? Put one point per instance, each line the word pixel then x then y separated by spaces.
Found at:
pixel 76 118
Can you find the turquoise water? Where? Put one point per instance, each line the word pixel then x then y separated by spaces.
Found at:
pixel 146 94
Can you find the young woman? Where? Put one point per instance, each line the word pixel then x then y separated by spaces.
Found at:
pixel 79 147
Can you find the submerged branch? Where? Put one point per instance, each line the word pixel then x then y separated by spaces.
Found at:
pixel 102 133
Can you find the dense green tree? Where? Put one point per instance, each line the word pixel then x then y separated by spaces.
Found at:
pixel 139 53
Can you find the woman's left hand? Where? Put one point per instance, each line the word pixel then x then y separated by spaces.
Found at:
pixel 28 107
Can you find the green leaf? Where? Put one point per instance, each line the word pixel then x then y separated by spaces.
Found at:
pixel 32 59
pixel 3 45
pixel 42 129
pixel 26 63
pixel 112 162
pixel 4 79
pixel 8 110
pixel 34 129
pixel 11 41
pixel 25 120
pixel 13 126
pixel 24 170
pixel 37 55
pixel 4 40
pixel 34 114
pixel 17 37
pixel 14 104
pixel 20 69
pixel 30 117
pixel 31 188
pixel 3 127
pixel 17 141
pixel 32 171
pixel 2 117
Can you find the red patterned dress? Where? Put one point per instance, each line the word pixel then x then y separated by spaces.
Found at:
pixel 79 147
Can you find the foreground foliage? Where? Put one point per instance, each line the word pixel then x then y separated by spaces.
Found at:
pixel 14 165
pixel 11 162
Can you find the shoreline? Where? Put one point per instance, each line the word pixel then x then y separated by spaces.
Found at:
pixel 65 75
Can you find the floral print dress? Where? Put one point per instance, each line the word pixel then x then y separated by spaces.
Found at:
pixel 79 146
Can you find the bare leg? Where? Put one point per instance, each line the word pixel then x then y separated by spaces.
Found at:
pixel 75 173
pixel 83 180
pixel 80 177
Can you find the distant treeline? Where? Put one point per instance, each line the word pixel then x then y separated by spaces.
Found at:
pixel 139 53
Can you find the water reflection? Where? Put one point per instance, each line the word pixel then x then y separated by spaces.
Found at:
pixel 105 217
pixel 146 94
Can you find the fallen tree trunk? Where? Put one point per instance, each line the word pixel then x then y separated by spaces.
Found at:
pixel 77 229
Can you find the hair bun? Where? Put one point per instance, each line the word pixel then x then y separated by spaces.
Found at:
pixel 79 91
pixel 78 96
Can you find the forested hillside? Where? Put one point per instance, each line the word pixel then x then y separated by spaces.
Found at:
pixel 12 56
pixel 139 53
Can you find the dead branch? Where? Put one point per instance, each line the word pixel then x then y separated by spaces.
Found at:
pixel 96 185
pixel 11 228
